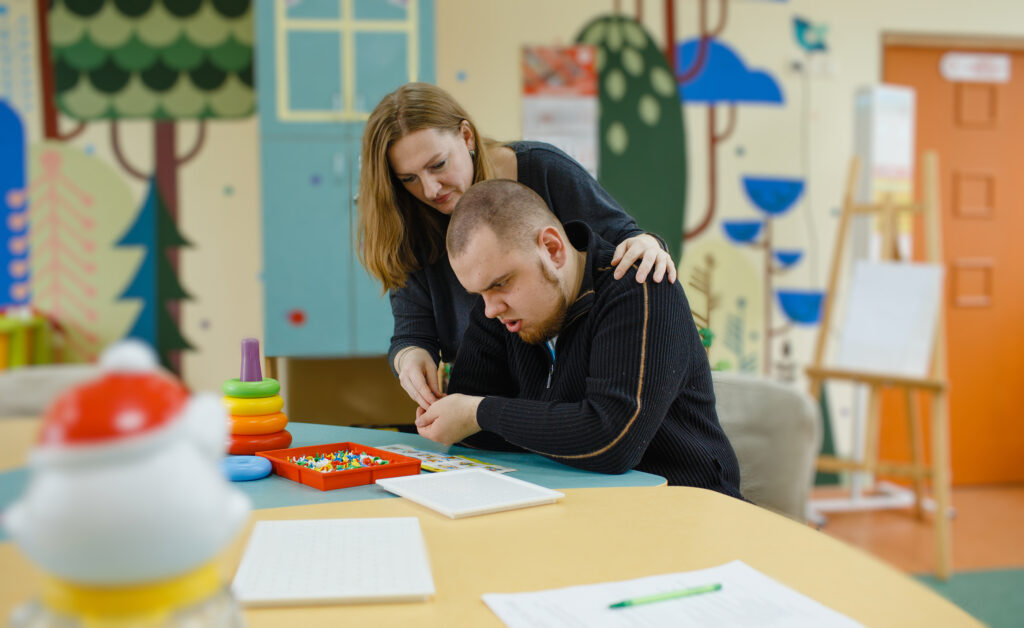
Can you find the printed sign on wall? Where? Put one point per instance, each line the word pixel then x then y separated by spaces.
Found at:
pixel 560 100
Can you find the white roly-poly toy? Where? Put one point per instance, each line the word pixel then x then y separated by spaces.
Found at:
pixel 126 503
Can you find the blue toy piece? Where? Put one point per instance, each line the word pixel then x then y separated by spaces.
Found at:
pixel 245 468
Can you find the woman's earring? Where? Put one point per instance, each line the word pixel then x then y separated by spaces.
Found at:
pixel 472 154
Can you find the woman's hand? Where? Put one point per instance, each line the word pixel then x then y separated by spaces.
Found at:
pixel 417 373
pixel 646 248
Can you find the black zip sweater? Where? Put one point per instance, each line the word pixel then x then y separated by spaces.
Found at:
pixel 629 387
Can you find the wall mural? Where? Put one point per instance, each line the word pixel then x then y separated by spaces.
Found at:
pixel 643 148
pixel 14 250
pixel 746 329
pixel 161 61
pixel 722 79
pixel 642 139
pixel 79 207
pixel 737 317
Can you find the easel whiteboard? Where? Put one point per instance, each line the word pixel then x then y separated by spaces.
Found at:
pixel 892 311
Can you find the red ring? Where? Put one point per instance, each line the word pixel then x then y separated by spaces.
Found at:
pixel 247 445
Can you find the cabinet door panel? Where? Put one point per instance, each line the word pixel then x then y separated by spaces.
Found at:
pixel 314 70
pixel 307 248
pixel 314 100
pixel 382 65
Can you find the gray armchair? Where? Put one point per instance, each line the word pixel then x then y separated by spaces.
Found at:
pixel 27 391
pixel 776 432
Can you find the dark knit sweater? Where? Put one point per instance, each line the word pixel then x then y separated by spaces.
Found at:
pixel 432 309
pixel 629 388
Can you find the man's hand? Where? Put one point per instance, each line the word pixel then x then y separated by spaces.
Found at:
pixel 449 420
pixel 417 373
pixel 643 247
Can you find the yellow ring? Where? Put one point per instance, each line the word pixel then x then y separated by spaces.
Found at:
pixel 248 407
pixel 259 423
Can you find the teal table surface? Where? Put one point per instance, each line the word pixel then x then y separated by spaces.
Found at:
pixel 275 491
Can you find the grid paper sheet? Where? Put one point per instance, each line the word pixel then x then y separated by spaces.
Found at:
pixel 333 561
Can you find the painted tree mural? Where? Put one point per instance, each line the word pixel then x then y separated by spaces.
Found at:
pixel 643 142
pixel 162 61
pixel 155 282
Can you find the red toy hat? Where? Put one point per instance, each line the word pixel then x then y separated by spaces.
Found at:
pixel 132 399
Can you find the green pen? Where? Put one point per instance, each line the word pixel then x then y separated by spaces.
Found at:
pixel 671 595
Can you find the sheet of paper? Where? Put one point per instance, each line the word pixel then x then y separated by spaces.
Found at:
pixel 433 461
pixel 330 561
pixel 747 598
pixel 891 316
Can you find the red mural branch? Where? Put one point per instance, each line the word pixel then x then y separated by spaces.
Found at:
pixel 48 85
pixel 200 139
pixel 714 139
pixel 51 126
pixel 115 145
pixel 670 34
pixel 705 39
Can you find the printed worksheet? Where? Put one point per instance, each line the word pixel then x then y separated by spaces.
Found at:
pixel 433 461
pixel 738 596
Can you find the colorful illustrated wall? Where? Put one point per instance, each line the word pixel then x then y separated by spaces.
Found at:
pixel 136 200
pixel 752 279
pixel 739 272
pixel 97 238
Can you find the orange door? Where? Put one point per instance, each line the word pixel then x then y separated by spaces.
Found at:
pixel 978 130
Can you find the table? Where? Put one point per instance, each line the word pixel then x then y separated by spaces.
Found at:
pixel 592 535
pixel 17 436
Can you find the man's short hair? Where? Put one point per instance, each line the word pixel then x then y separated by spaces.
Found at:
pixel 514 212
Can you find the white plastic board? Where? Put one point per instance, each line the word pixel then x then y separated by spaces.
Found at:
pixel 471 492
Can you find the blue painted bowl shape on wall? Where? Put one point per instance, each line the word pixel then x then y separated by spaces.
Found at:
pixel 787 257
pixel 773 195
pixel 801 306
pixel 742 231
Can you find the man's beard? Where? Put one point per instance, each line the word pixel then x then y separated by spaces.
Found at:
pixel 552 325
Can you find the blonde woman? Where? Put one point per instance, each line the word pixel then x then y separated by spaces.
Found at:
pixel 421 152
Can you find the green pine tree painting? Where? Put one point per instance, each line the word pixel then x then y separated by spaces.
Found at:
pixel 165 61
pixel 155 283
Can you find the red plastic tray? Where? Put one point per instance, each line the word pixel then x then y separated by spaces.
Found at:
pixel 399 465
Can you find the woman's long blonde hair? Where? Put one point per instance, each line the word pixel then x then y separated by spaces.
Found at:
pixel 398 234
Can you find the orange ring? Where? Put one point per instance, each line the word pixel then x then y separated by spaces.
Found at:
pixel 258 424
pixel 247 445
pixel 238 406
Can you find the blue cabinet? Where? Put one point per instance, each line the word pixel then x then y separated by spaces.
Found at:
pixel 321 66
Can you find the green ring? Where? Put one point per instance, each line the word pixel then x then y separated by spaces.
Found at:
pixel 235 387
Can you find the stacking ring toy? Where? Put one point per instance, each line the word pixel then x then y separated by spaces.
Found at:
pixel 246 445
pixel 267 387
pixel 249 407
pixel 259 423
pixel 245 468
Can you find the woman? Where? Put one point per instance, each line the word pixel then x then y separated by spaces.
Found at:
pixel 421 151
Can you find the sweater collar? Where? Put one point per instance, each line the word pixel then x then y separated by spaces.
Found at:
pixel 599 255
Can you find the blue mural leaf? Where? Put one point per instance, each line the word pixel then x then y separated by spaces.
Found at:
pixel 801 306
pixel 787 258
pixel 742 231
pixel 724 78
pixel 773 195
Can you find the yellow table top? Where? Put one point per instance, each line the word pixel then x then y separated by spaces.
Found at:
pixel 592 535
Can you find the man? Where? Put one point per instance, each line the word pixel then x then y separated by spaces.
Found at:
pixel 561 359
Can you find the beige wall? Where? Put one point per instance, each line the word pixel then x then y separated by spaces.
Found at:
pixel 482 39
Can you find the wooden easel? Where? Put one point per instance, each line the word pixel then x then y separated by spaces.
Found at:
pixel 934 384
